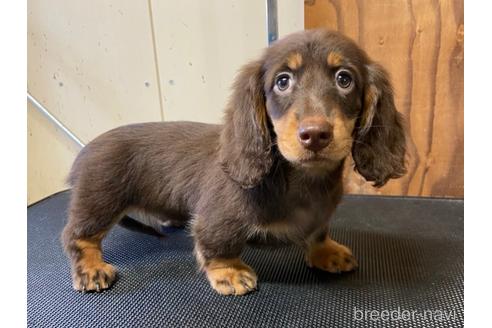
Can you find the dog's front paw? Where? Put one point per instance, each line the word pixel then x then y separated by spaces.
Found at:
pixel 94 277
pixel 230 276
pixel 331 256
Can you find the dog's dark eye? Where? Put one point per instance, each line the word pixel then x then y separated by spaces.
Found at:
pixel 283 82
pixel 344 79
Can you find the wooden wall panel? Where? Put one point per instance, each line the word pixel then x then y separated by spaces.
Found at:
pixel 421 45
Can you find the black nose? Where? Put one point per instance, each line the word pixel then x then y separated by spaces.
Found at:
pixel 315 133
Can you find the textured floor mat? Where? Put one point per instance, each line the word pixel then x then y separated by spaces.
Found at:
pixel 410 252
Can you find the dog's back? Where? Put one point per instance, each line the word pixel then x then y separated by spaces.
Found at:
pixel 147 165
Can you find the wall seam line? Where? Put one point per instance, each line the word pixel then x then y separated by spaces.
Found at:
pixel 156 61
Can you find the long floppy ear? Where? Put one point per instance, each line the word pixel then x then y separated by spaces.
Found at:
pixel 245 142
pixel 379 147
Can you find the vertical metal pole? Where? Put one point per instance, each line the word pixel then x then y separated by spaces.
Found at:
pixel 272 20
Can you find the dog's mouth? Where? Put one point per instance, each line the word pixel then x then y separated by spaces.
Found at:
pixel 314 164
pixel 315 161
pixel 319 161
pixel 314 158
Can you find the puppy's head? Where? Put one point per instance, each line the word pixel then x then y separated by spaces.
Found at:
pixel 316 97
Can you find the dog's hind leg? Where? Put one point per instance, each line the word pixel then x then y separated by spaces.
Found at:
pixel 89 221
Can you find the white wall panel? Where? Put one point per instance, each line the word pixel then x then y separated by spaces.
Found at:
pixel 49 156
pixel 91 63
pixel 290 16
pixel 200 46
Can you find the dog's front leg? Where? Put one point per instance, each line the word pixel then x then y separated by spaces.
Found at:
pixel 218 256
pixel 326 254
pixel 227 275
pixel 230 276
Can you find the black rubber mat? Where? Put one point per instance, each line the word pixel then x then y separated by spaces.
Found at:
pixel 410 252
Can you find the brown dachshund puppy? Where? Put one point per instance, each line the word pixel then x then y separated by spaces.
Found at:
pixel 273 170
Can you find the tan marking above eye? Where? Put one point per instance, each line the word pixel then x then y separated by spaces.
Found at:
pixel 294 61
pixel 334 58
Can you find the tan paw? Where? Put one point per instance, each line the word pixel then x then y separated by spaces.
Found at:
pixel 331 256
pixel 230 276
pixel 94 277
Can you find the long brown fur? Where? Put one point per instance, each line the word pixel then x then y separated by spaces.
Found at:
pixel 250 178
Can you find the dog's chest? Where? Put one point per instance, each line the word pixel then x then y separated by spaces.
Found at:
pixel 295 227
pixel 294 217
pixel 303 208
